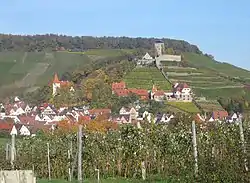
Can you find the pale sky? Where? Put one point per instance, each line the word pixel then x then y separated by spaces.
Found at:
pixel 219 27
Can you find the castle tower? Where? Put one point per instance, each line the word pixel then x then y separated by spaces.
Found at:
pixel 159 47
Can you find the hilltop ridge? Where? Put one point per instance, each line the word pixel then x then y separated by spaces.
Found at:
pixel 50 42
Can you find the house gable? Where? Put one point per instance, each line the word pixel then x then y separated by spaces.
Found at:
pixel 13 130
pixel 24 131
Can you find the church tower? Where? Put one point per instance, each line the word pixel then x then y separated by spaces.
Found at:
pixel 56 84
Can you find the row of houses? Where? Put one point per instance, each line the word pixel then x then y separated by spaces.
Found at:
pixel 180 92
pixel 24 119
pixel 27 125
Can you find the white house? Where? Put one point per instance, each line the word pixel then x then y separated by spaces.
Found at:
pixel 16 99
pixel 37 118
pixel 146 59
pixel 124 111
pixel 19 111
pixel 13 130
pixel 27 109
pixel 182 92
pixel 46 118
pixel 24 131
pixel 48 111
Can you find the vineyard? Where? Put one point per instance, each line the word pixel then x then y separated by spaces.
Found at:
pixel 165 150
pixel 188 107
pixel 145 78
pixel 210 105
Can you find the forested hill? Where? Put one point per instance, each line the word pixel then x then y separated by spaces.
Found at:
pixel 52 41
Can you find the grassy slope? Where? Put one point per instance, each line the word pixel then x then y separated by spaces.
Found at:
pixel 188 107
pixel 20 71
pixel 201 61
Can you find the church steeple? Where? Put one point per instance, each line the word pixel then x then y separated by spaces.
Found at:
pixel 56 80
pixel 154 89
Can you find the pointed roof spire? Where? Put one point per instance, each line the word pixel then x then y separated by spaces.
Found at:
pixel 56 80
pixel 154 89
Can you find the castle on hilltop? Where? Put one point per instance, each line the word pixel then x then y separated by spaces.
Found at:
pixel 160 56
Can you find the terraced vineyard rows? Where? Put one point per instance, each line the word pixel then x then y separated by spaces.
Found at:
pixel 208 106
pixel 188 107
pixel 200 78
pixel 145 78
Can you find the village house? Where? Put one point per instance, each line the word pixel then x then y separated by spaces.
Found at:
pixel 234 118
pixel 218 116
pixel 182 92
pixel 163 118
pixel 119 88
pixel 146 60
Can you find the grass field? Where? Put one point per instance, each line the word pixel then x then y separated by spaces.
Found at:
pixel 3 142
pixel 209 105
pixel 145 78
pixel 189 107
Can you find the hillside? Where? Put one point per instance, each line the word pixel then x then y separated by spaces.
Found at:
pixel 145 78
pixel 27 62
pixel 26 71
pixel 210 78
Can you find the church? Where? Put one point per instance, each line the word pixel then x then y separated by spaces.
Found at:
pixel 58 84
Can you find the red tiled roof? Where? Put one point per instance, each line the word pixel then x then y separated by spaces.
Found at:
pixel 180 86
pixel 85 118
pixel 56 80
pixel 27 119
pixel 6 126
pixel 118 86
pixel 99 111
pixel 219 114
pixel 185 85
pixel 141 92
pixel 121 92
pixel 159 93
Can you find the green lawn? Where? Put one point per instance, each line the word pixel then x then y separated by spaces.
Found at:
pixel 189 107
pixel 3 142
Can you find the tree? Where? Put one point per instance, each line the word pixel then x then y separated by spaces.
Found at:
pixel 50 42
pixel 41 95
pixel 170 51
pixel 64 97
